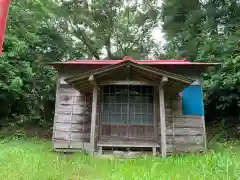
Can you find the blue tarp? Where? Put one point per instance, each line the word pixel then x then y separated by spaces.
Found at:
pixel 192 100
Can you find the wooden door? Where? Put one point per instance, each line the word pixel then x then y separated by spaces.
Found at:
pixel 127 113
pixel 141 120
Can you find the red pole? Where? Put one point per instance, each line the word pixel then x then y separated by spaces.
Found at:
pixel 4 5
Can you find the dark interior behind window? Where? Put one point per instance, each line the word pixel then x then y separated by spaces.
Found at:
pixel 128 104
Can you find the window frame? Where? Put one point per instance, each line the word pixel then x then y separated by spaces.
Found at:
pixel 144 101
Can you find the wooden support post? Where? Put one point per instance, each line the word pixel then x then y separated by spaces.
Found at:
pixel 100 152
pixel 154 149
pixel 94 119
pixel 92 80
pixel 55 117
pixel 162 117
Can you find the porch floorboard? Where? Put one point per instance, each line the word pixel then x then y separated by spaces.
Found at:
pixel 133 144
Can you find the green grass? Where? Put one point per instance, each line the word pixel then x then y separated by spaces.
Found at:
pixel 33 160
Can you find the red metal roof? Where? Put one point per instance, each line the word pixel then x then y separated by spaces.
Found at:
pixel 145 62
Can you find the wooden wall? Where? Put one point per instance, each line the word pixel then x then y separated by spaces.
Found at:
pixel 72 121
pixel 184 133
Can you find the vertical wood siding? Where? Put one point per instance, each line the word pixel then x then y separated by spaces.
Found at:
pixel 72 121
pixel 184 133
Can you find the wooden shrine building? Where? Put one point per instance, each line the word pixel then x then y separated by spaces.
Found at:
pixel 110 104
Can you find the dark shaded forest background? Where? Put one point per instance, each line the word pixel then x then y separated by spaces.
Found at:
pixel 42 31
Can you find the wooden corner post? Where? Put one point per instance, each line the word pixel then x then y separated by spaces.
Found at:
pixel 94 118
pixel 162 117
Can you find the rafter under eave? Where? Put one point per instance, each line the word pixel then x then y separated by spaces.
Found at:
pixel 91 78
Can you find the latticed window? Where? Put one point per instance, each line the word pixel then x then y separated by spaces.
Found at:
pixel 128 104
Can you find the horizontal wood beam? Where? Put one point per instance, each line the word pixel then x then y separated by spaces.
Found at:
pixel 127 82
pixel 149 75
pixel 137 144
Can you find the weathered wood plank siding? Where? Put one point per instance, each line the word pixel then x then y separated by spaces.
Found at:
pixel 184 133
pixel 72 122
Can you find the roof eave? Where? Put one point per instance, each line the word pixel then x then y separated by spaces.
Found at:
pixel 82 80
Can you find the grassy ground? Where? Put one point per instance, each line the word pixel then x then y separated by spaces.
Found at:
pixel 33 160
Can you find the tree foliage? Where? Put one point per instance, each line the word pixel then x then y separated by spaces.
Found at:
pixel 208 31
pixel 182 24
pixel 31 40
pixel 42 31
pixel 111 29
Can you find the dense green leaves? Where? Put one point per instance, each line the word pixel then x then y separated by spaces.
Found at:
pixel 43 31
pixel 111 29
pixel 208 31
pixel 31 40
pixel 182 24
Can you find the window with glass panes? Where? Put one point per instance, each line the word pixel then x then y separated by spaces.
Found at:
pixel 128 104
